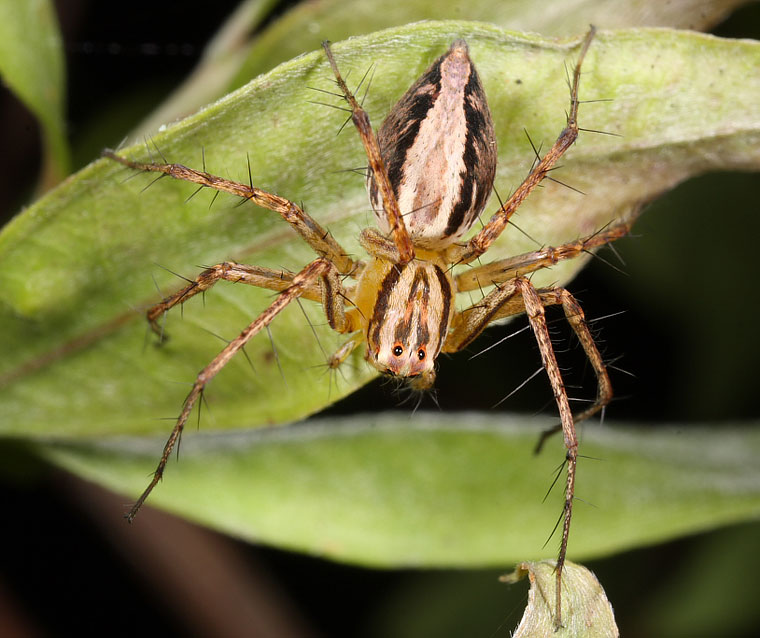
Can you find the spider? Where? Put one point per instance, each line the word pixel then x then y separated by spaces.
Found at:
pixel 431 170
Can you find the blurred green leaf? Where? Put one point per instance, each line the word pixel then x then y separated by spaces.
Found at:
pixel 721 600
pixel 462 490
pixel 76 268
pixel 212 77
pixel 32 66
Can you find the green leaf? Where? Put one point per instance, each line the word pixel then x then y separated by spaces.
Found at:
pixel 32 66
pixel 308 23
pixel 76 268
pixel 462 491
pixel 230 62
pixel 585 609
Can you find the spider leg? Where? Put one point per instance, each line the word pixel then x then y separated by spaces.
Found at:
pixel 301 282
pixel 505 269
pixel 577 320
pixel 268 278
pixel 399 233
pixel 537 317
pixel 491 231
pixel 514 297
pixel 342 353
pixel 309 229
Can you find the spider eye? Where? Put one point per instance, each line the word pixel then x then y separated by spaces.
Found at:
pixel 398 351
pixel 421 354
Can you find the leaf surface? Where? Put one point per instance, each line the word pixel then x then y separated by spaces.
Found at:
pixel 585 608
pixel 446 491
pixel 77 267
pixel 231 61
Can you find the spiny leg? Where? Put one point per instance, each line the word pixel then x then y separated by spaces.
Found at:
pixel 515 297
pixel 577 320
pixel 342 353
pixel 537 317
pixel 505 269
pixel 504 302
pixel 360 118
pixel 301 282
pixel 309 229
pixel 258 276
pixel 491 231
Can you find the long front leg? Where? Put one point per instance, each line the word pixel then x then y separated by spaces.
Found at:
pixel 308 228
pixel 302 282
pixel 258 276
pixel 398 230
pixel 515 297
pixel 534 308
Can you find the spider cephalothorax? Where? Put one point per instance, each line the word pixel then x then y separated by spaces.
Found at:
pixel 406 311
pixel 430 171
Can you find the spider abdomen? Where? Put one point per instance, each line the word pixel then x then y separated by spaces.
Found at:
pixel 439 148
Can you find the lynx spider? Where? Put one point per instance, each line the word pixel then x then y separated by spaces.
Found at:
pixel 402 305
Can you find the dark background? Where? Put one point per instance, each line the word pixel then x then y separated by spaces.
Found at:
pixel 686 339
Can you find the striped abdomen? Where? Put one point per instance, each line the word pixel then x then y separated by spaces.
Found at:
pixel 439 149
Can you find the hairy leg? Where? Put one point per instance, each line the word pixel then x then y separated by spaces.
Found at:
pixel 268 278
pixel 309 229
pixel 491 231
pixel 518 296
pixel 399 233
pixel 505 269
pixel 301 282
